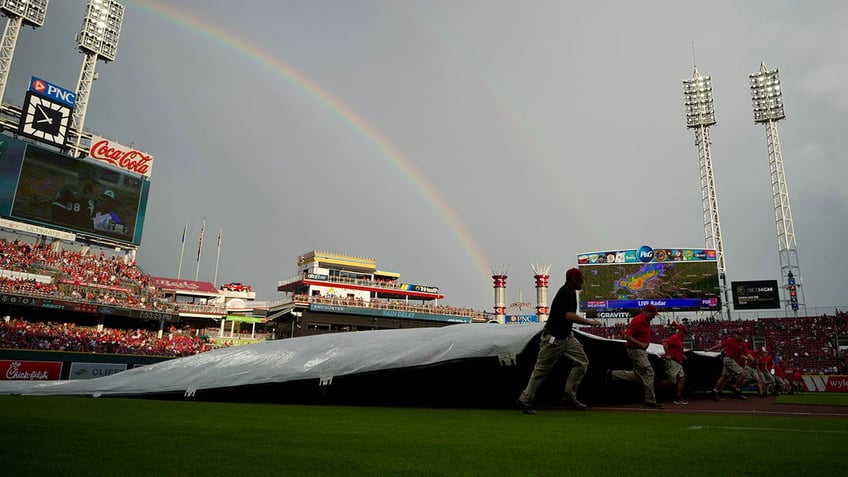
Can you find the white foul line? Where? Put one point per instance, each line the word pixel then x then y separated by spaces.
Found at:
pixel 775 429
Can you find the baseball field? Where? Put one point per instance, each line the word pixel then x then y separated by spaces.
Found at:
pixel 136 437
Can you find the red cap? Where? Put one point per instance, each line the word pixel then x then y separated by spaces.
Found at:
pixel 651 307
pixel 682 328
pixel 574 273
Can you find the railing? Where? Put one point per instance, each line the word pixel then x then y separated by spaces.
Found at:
pixel 384 284
pixel 393 305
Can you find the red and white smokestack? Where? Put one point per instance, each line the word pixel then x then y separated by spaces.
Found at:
pixel 541 276
pixel 499 279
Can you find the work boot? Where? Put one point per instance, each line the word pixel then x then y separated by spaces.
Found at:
pixel 526 408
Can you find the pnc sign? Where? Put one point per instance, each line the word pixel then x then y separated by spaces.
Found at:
pixel 53 92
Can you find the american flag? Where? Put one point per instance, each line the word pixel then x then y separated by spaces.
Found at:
pixel 200 243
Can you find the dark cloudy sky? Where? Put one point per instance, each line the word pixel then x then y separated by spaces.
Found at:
pixel 447 137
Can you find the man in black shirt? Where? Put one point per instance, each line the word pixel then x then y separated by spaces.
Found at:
pixel 558 340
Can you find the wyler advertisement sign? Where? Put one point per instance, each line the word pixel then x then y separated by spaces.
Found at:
pixel 755 295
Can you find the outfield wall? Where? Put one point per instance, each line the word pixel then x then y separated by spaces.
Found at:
pixel 18 364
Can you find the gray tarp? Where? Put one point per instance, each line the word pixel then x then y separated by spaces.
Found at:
pixel 312 357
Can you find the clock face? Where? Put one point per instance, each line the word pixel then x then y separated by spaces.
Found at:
pixel 45 120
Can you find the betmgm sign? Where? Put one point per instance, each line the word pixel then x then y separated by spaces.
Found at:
pixel 755 295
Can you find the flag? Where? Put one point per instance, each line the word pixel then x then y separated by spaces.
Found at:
pixel 185 230
pixel 220 232
pixel 200 243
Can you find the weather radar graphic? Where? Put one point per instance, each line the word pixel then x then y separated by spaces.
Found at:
pixel 678 279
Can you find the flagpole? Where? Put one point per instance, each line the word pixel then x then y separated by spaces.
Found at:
pixel 199 249
pixel 182 251
pixel 217 260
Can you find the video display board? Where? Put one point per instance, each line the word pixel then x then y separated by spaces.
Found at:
pixel 43 187
pixel 682 279
pixel 755 295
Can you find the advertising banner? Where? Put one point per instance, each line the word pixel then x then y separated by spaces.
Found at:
pixel 833 383
pixel 755 295
pixel 120 156
pixel 18 370
pixel 181 285
pixel 520 319
pixel 383 313
pixel 94 370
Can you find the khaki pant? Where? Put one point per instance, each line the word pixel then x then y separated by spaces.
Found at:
pixel 549 354
pixel 674 371
pixel 642 372
pixel 732 369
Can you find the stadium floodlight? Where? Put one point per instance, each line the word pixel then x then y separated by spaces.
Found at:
pixel 766 95
pixel 767 98
pixel 19 12
pixel 698 93
pixel 101 28
pixel 32 12
pixel 700 115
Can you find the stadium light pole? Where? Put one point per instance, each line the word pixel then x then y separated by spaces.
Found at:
pixel 18 12
pixel 98 38
pixel 700 115
pixel 767 99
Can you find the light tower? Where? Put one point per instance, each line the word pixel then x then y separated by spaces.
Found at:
pixel 767 100
pixel 541 275
pixel 97 39
pixel 19 12
pixel 499 279
pixel 700 115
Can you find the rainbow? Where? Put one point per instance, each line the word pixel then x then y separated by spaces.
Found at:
pixel 336 107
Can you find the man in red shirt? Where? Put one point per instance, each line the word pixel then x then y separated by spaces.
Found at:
pixel 797 381
pixel 748 362
pixel 765 364
pixel 731 350
pixel 782 379
pixel 638 337
pixel 673 346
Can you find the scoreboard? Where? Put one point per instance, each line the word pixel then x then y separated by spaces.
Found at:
pixel 683 279
pixel 46 188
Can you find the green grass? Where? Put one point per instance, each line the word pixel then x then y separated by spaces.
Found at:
pixel 821 399
pixel 130 437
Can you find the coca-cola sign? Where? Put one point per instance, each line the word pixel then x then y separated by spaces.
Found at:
pixel 121 156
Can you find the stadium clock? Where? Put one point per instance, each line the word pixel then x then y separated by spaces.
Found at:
pixel 45 120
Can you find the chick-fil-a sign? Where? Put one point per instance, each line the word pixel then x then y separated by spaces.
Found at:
pixel 124 157
pixel 17 370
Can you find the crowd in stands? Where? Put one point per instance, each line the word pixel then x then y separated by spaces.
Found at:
pixel 810 344
pixel 83 276
pixel 21 334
